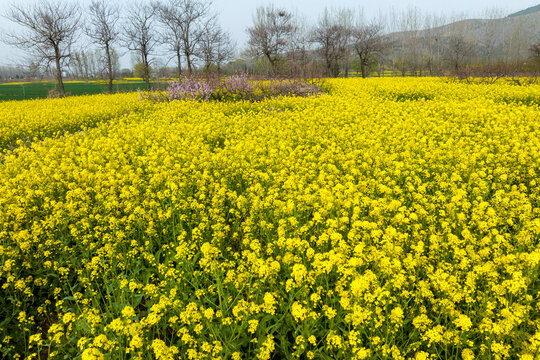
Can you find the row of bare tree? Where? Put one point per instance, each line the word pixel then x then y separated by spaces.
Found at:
pixel 411 43
pixel 276 35
pixel 187 28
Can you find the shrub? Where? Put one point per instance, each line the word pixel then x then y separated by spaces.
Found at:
pixel 233 88
pixel 190 88
pixel 238 86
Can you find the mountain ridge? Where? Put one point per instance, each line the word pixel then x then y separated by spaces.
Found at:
pixel 526 11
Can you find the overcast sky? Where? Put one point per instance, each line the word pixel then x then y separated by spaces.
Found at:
pixel 236 15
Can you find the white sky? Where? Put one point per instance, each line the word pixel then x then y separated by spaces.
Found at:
pixel 236 15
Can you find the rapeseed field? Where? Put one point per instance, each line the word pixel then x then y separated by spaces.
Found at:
pixel 32 120
pixel 386 219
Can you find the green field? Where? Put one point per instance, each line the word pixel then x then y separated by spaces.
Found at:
pixel 40 90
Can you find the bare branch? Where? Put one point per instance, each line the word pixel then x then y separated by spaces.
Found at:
pixel 459 51
pixel 368 44
pixel 102 29
pixel 139 34
pixel 216 46
pixel 270 34
pixel 331 37
pixel 51 30
pixel 184 21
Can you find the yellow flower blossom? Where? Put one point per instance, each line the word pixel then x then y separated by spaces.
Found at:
pixel 332 226
pixel 92 354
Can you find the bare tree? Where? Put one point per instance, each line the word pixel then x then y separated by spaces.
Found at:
pixel 409 23
pixel 517 44
pixel 171 19
pixel 115 62
pixel 216 46
pixel 194 14
pixel 534 53
pixel 459 51
pixel 301 63
pixel 139 35
pixel 184 21
pixel 76 65
pixel 225 48
pixel 489 35
pixel 431 40
pixel 102 29
pixel 85 64
pixel 93 62
pixel 12 72
pixel 345 17
pixel 51 30
pixel 331 38
pixel 368 44
pixel 209 37
pixel 270 34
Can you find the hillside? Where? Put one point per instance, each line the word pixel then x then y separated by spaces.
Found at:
pixel 529 10
pixel 504 38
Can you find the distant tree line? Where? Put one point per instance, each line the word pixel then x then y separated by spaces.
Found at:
pixel 410 43
pixel 87 41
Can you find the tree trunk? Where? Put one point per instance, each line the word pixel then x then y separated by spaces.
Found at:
pixel 272 63
pixel 188 59
pixel 335 69
pixel 59 71
pixel 178 59
pixel 328 63
pixel 363 67
pixel 146 71
pixel 328 68
pixel 109 67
